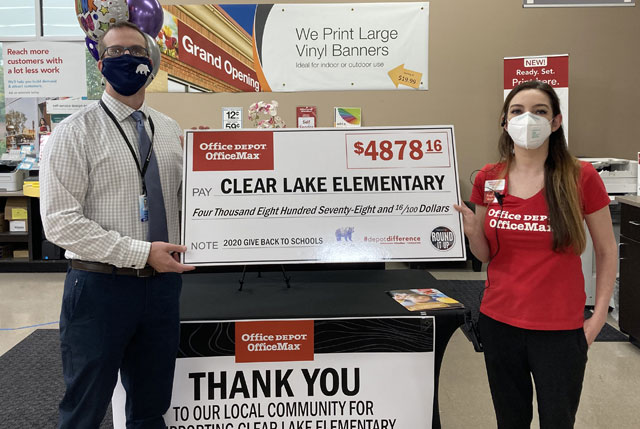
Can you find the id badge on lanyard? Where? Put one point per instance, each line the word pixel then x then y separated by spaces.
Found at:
pixel 143 202
pixel 143 205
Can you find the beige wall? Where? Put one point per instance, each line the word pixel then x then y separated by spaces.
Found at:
pixel 467 42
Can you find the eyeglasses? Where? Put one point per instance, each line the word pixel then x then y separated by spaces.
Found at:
pixel 117 51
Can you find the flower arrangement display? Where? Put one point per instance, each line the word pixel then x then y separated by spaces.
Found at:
pixel 265 115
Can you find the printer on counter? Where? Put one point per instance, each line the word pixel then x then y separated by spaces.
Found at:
pixel 620 176
pixel 11 179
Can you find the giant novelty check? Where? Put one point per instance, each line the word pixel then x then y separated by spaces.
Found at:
pixel 321 195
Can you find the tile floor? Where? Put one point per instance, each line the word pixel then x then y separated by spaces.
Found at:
pixel 610 399
pixel 610 396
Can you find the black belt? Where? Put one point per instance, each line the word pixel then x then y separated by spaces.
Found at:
pixel 99 267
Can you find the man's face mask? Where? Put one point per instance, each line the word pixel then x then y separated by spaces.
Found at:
pixel 126 73
pixel 529 131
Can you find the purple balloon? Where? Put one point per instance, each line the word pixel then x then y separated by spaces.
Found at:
pixel 147 15
pixel 92 46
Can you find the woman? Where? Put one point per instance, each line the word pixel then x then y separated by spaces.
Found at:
pixel 44 127
pixel 528 225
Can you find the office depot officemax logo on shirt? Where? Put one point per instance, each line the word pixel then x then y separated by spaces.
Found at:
pixel 233 150
pixel 274 341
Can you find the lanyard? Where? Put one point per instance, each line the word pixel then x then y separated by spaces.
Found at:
pixel 142 170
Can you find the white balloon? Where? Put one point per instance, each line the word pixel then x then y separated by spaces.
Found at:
pixel 154 54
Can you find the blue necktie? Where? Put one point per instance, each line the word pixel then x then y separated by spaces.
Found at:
pixel 157 214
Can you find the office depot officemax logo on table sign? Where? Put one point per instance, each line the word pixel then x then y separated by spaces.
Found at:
pixel 274 341
pixel 233 150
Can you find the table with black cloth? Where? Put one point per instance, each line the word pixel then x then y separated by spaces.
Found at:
pixel 313 295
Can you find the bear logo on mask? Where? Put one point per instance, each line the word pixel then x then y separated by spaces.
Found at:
pixel 142 69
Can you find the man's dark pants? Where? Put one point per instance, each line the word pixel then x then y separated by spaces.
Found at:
pixel 114 322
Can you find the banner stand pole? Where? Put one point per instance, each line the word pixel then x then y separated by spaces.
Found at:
pixel 284 276
pixel 241 281
pixel 286 279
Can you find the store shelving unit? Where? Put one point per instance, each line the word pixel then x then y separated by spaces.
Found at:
pixel 32 240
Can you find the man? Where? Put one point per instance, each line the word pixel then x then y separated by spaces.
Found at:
pixel 111 176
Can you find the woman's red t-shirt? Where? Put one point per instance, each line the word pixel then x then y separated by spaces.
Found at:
pixel 528 284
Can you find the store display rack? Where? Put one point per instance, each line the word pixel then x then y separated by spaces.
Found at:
pixel 31 239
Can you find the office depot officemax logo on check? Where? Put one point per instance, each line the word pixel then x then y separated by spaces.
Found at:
pixel 233 150
pixel 274 341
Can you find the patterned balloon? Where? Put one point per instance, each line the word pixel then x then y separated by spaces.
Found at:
pixel 147 15
pixel 95 16
pixel 154 54
pixel 92 46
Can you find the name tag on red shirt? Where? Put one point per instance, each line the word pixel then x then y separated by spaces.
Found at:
pixel 490 189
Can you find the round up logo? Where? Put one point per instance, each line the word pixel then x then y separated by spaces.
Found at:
pixel 442 238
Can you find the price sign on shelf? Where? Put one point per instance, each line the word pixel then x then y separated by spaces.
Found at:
pixel 231 118
pixel 410 149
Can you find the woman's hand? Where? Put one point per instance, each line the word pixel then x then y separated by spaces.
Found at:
pixel 472 224
pixel 474 230
pixel 593 326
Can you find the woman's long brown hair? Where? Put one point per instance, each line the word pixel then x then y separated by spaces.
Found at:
pixel 561 177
